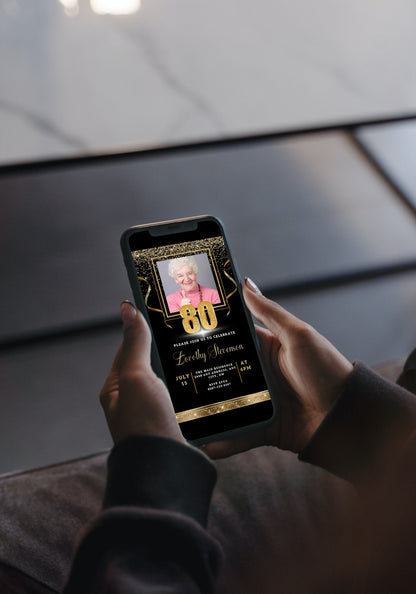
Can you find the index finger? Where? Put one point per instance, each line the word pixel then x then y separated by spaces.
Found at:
pixel 272 315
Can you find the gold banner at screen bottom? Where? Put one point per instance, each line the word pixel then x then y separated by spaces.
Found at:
pixel 224 406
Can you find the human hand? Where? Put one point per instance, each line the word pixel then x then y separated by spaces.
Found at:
pixel 134 399
pixel 185 300
pixel 307 373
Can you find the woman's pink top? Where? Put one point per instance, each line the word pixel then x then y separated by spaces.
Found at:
pixel 174 300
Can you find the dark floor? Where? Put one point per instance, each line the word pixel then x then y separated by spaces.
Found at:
pixel 311 218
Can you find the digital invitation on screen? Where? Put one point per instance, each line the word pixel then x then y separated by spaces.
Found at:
pixel 200 327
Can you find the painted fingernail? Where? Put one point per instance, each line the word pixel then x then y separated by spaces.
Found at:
pixel 128 312
pixel 252 286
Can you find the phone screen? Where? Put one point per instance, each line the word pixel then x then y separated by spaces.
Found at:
pixel 201 329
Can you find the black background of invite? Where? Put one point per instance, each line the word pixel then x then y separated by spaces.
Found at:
pixel 230 319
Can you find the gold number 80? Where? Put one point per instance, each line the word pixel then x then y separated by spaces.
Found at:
pixel 206 314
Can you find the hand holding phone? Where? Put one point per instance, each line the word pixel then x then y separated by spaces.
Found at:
pixel 306 371
pixel 314 373
pixel 134 399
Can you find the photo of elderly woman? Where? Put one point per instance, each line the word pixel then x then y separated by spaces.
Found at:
pixel 184 272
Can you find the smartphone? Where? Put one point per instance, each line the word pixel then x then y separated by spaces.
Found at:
pixel 204 344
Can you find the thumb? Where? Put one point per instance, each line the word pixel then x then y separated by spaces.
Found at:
pixel 273 316
pixel 135 350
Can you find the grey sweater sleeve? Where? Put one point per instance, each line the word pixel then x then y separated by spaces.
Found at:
pixel 152 535
pixel 366 429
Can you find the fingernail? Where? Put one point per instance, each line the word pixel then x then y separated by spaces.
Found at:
pixel 252 286
pixel 128 312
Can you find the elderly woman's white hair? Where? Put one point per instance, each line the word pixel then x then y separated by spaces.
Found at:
pixel 177 263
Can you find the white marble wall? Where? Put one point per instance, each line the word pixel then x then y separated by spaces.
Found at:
pixel 186 69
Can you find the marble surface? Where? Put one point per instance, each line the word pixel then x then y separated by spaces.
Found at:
pixel 183 70
pixel 393 146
